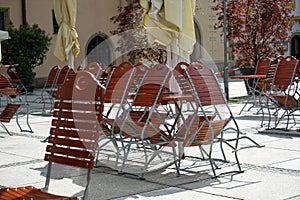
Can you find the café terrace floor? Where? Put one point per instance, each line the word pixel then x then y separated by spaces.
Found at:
pixel 271 172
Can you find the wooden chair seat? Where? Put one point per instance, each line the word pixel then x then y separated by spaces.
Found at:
pixel 8 112
pixel 29 192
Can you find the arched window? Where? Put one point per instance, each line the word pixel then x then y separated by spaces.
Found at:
pixel 295 46
pixel 98 50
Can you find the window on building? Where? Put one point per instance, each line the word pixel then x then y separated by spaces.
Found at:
pixel 295 46
pixel 54 23
pixel 4 18
pixel 98 50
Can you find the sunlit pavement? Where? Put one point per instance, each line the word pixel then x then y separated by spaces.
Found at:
pixel 271 172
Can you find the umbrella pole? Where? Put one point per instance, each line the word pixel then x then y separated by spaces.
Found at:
pixel 0 53
pixel 225 53
pixel 71 60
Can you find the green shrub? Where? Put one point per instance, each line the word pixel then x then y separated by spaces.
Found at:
pixel 27 48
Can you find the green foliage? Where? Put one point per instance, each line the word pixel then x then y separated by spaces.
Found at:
pixel 27 48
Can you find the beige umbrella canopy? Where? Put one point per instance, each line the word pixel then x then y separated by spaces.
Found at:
pixel 167 21
pixel 171 23
pixel 67 45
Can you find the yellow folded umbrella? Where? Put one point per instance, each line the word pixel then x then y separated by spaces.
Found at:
pixel 65 14
pixel 166 20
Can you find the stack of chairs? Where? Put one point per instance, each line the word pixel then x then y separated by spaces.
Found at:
pixel 283 94
pixel 73 140
pixel 56 78
pixel 262 68
pixel 139 124
pixel 208 124
pixel 13 104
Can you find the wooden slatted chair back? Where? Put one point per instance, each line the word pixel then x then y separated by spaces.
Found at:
pixel 73 136
pixel 272 67
pixel 205 84
pixel 7 88
pixel 64 73
pixel 140 71
pixel 262 66
pixel 4 82
pixel 153 85
pixel 62 76
pixel 105 76
pixel 11 71
pixel 179 74
pixel 118 83
pixel 52 76
pixel 285 72
pixel 95 69
pixel 76 124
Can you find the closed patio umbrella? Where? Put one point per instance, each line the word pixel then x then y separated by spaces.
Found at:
pixel 67 45
pixel 3 36
pixel 171 23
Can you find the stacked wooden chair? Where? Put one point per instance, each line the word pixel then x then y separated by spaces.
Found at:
pixel 256 83
pixel 73 140
pixel 213 114
pixel 141 124
pixel 116 101
pixel 95 69
pixel 13 104
pixel 283 94
pixel 56 77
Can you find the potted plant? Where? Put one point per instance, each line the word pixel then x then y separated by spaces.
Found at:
pixel 26 48
pixel 255 28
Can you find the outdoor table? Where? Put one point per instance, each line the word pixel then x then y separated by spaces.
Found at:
pixel 177 99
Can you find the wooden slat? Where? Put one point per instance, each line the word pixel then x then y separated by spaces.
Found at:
pixel 84 125
pixel 78 153
pixel 88 164
pixel 29 192
pixel 91 145
pixel 78 115
pixel 84 134
pixel 8 112
pixel 91 106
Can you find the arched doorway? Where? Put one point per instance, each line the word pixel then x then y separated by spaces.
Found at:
pixel 99 50
pixel 295 45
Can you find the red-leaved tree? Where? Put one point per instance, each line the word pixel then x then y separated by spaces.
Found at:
pixel 255 28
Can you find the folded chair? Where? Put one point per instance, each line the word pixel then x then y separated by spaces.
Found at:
pixel 142 124
pixel 49 93
pixel 95 69
pixel 284 94
pixel 117 99
pixel 73 136
pixel 261 71
pixel 208 126
pixel 13 103
pixel 15 80
pixel 117 83
pixel 265 84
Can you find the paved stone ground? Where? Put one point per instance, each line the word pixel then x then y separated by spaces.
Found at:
pixel 271 172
